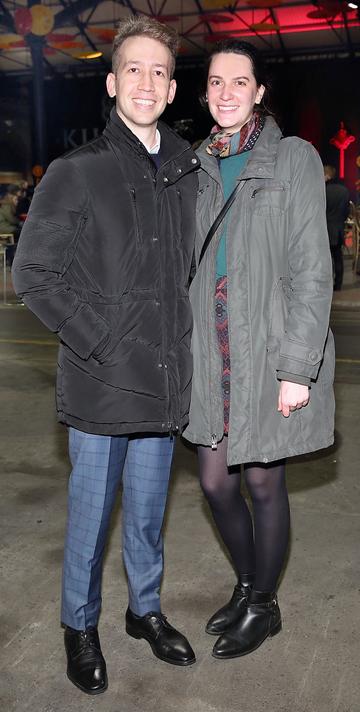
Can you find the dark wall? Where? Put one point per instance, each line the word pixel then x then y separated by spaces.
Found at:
pixel 310 99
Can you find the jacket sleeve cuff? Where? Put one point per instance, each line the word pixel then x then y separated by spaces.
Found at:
pixel 293 378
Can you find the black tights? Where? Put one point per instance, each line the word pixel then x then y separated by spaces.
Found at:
pixel 257 547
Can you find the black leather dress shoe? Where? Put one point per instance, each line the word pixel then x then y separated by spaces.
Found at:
pixel 166 642
pixel 86 665
pixel 229 614
pixel 261 619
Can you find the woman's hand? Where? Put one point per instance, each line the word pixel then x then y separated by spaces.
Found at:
pixel 292 396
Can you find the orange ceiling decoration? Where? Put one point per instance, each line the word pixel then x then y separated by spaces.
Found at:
pixel 67 44
pixel 106 33
pixel 42 20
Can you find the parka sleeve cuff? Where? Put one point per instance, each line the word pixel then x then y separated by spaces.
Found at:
pixel 293 378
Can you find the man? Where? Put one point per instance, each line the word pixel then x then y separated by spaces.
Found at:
pixel 337 210
pixel 104 261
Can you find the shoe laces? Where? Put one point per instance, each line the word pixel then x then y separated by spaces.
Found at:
pixel 158 620
pixel 88 645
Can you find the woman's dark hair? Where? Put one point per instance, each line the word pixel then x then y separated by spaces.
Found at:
pixel 236 46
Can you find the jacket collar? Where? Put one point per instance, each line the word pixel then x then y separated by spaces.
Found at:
pixel 178 156
pixel 261 163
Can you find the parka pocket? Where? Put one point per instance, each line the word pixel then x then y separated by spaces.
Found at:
pixel 278 310
pixel 270 198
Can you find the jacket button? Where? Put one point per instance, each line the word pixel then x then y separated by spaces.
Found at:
pixel 313 356
pixel 193 161
pixel 166 180
pixel 157 304
pixel 179 170
pixel 160 365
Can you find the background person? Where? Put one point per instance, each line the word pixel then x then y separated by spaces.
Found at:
pixel 104 261
pixel 9 221
pixel 337 210
pixel 263 355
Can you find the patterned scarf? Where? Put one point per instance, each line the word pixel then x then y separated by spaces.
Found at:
pixel 223 144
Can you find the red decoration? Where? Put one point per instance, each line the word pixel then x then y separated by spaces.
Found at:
pixel 342 141
pixel 23 20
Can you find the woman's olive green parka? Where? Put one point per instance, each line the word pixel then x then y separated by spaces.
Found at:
pixel 279 298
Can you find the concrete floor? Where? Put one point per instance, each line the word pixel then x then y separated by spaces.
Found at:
pixel 312 666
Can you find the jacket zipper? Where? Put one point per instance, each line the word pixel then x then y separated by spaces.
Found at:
pixel 164 365
pixel 269 189
pixel 214 439
pixel 137 231
pixel 210 312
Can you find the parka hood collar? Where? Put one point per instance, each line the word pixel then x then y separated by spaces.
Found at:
pixel 173 148
pixel 261 163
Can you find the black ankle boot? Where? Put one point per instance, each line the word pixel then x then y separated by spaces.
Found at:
pixel 229 614
pixel 260 619
pixel 86 665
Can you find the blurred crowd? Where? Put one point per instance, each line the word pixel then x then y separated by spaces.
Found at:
pixel 14 205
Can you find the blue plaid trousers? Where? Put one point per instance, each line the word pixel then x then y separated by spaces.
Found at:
pixel 99 464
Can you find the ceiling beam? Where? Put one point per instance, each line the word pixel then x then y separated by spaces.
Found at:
pixel 348 36
pixel 81 27
pixel 281 41
pixel 64 17
pixel 203 14
pixel 6 19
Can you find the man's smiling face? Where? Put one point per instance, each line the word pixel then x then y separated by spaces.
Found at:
pixel 142 83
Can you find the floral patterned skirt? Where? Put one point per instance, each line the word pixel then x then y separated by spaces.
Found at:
pixel 221 322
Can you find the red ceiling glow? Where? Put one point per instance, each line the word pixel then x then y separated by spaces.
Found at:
pixel 291 19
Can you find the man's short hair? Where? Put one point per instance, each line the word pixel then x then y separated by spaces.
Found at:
pixel 142 26
pixel 329 172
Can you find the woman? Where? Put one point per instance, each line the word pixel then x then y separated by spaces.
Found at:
pixel 263 355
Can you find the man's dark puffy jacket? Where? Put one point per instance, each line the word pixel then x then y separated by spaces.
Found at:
pixel 104 261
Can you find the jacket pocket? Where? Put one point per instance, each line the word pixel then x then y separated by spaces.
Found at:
pixel 278 312
pixel 269 199
pixel 135 218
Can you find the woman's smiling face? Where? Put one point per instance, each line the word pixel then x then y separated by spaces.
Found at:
pixel 232 91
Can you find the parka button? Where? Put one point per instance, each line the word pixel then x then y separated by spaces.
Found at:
pixel 166 180
pixel 179 170
pixel 155 238
pixel 160 365
pixel 157 303
pixel 194 160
